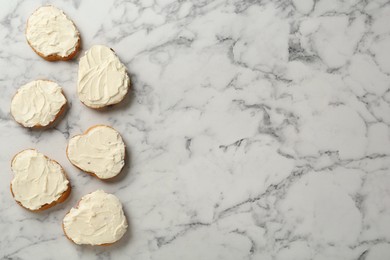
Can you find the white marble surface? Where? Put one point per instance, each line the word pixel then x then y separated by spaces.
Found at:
pixel 256 129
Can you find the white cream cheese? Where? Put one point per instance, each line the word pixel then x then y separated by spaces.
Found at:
pixel 98 219
pixel 37 103
pixel 50 32
pixel 102 78
pixel 100 150
pixel 37 180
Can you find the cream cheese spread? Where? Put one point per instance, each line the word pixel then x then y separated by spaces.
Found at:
pixel 50 32
pixel 100 151
pixel 102 79
pixel 37 103
pixel 98 219
pixel 37 180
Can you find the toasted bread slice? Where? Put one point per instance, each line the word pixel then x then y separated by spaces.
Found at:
pixel 97 219
pixel 39 182
pixel 52 35
pixel 38 104
pixel 100 152
pixel 103 80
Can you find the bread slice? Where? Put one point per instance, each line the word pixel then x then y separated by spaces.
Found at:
pixel 99 151
pixel 97 219
pixel 41 189
pixel 52 35
pixel 102 80
pixel 38 104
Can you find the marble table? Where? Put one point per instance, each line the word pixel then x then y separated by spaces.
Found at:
pixel 255 129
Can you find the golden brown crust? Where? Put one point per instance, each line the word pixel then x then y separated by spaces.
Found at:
pixel 54 121
pixel 55 57
pixel 91 173
pixel 61 199
pixel 66 235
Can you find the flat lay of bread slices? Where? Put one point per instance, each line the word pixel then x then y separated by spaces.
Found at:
pixel 39 182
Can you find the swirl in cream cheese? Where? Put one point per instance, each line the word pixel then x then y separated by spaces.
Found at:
pixel 100 151
pixel 102 79
pixel 37 180
pixel 37 103
pixel 98 219
pixel 50 32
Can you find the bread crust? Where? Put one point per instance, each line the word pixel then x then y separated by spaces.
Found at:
pixel 54 121
pixel 91 173
pixel 61 199
pixel 56 57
